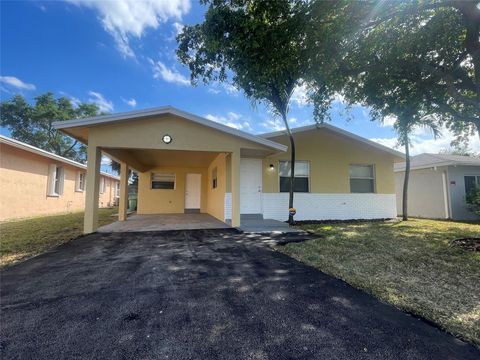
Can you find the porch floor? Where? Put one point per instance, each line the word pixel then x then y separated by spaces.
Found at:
pixel 160 222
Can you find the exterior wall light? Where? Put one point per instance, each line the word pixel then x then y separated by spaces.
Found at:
pixel 167 139
pixel 272 167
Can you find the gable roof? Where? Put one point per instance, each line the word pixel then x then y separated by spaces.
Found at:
pixel 338 131
pixel 424 161
pixel 21 145
pixel 138 114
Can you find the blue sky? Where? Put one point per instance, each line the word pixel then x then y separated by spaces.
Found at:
pixel 121 55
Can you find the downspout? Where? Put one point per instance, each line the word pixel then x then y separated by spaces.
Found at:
pixel 445 194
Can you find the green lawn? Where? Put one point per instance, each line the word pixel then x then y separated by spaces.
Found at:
pixel 411 265
pixel 24 238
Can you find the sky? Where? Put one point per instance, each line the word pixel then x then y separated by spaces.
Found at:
pixel 121 55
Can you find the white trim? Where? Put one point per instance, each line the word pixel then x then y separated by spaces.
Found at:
pixel 38 151
pixel 445 194
pixel 131 115
pixel 338 131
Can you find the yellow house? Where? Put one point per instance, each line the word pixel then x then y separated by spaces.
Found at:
pixel 34 182
pixel 190 164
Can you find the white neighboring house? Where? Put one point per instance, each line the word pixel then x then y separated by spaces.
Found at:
pixel 438 186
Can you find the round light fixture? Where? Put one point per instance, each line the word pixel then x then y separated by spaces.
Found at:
pixel 167 139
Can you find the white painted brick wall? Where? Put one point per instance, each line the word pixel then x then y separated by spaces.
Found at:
pixel 228 206
pixel 312 206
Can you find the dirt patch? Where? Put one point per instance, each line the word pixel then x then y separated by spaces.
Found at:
pixel 471 244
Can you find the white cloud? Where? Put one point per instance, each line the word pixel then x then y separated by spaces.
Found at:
pixel 232 119
pixel 299 96
pixel 161 71
pixel 388 121
pixel 74 100
pixel 124 19
pixel 105 160
pixel 423 142
pixel 178 28
pixel 103 104
pixel 130 102
pixel 218 87
pixel 16 83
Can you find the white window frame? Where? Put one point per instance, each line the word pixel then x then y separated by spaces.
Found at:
pixel 56 180
pixel 103 185
pixel 152 175
pixel 117 189
pixel 80 181
pixel 373 178
pixel 299 176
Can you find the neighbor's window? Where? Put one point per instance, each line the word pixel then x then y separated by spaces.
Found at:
pixel 80 181
pixel 214 178
pixel 117 189
pixel 103 185
pixel 55 180
pixel 471 182
pixel 163 181
pixel 302 174
pixel 362 179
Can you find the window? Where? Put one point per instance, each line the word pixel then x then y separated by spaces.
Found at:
pixel 117 189
pixel 362 179
pixel 163 181
pixel 302 174
pixel 471 182
pixel 103 185
pixel 55 180
pixel 80 183
pixel 214 178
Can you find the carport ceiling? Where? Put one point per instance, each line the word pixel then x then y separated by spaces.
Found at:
pixel 146 159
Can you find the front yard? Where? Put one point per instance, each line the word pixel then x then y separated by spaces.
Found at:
pixel 411 265
pixel 25 238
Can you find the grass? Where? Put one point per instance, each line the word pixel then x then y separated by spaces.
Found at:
pixel 24 238
pixel 411 265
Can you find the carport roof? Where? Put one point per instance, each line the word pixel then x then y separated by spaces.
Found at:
pixel 138 114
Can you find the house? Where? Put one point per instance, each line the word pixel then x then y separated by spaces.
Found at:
pixel 190 164
pixel 35 182
pixel 438 185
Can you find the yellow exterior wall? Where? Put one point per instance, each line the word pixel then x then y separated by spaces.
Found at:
pixel 216 197
pixel 148 133
pixel 23 186
pixel 330 155
pixel 162 201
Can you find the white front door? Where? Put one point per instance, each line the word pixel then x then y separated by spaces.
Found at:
pixel 193 188
pixel 250 186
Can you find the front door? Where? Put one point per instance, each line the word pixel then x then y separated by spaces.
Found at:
pixel 193 188
pixel 250 186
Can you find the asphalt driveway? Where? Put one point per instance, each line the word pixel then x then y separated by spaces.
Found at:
pixel 198 295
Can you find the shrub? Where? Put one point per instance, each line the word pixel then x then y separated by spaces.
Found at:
pixel 473 200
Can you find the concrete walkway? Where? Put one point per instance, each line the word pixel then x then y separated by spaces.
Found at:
pixel 162 222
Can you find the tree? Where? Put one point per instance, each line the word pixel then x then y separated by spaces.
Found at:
pixel 380 79
pixel 439 40
pixel 266 47
pixel 32 124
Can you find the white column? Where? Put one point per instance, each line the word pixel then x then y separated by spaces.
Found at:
pixel 235 187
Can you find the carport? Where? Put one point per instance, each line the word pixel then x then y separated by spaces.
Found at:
pixel 186 164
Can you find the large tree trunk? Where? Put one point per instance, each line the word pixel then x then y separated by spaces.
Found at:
pixel 405 182
pixel 291 221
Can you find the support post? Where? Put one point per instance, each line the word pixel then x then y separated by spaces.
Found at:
pixel 123 200
pixel 235 187
pixel 94 156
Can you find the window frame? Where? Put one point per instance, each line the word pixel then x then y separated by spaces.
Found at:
pixel 373 178
pixel 102 185
pixel 163 173
pixel 214 177
pixel 56 180
pixel 296 162
pixel 80 181
pixel 477 181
